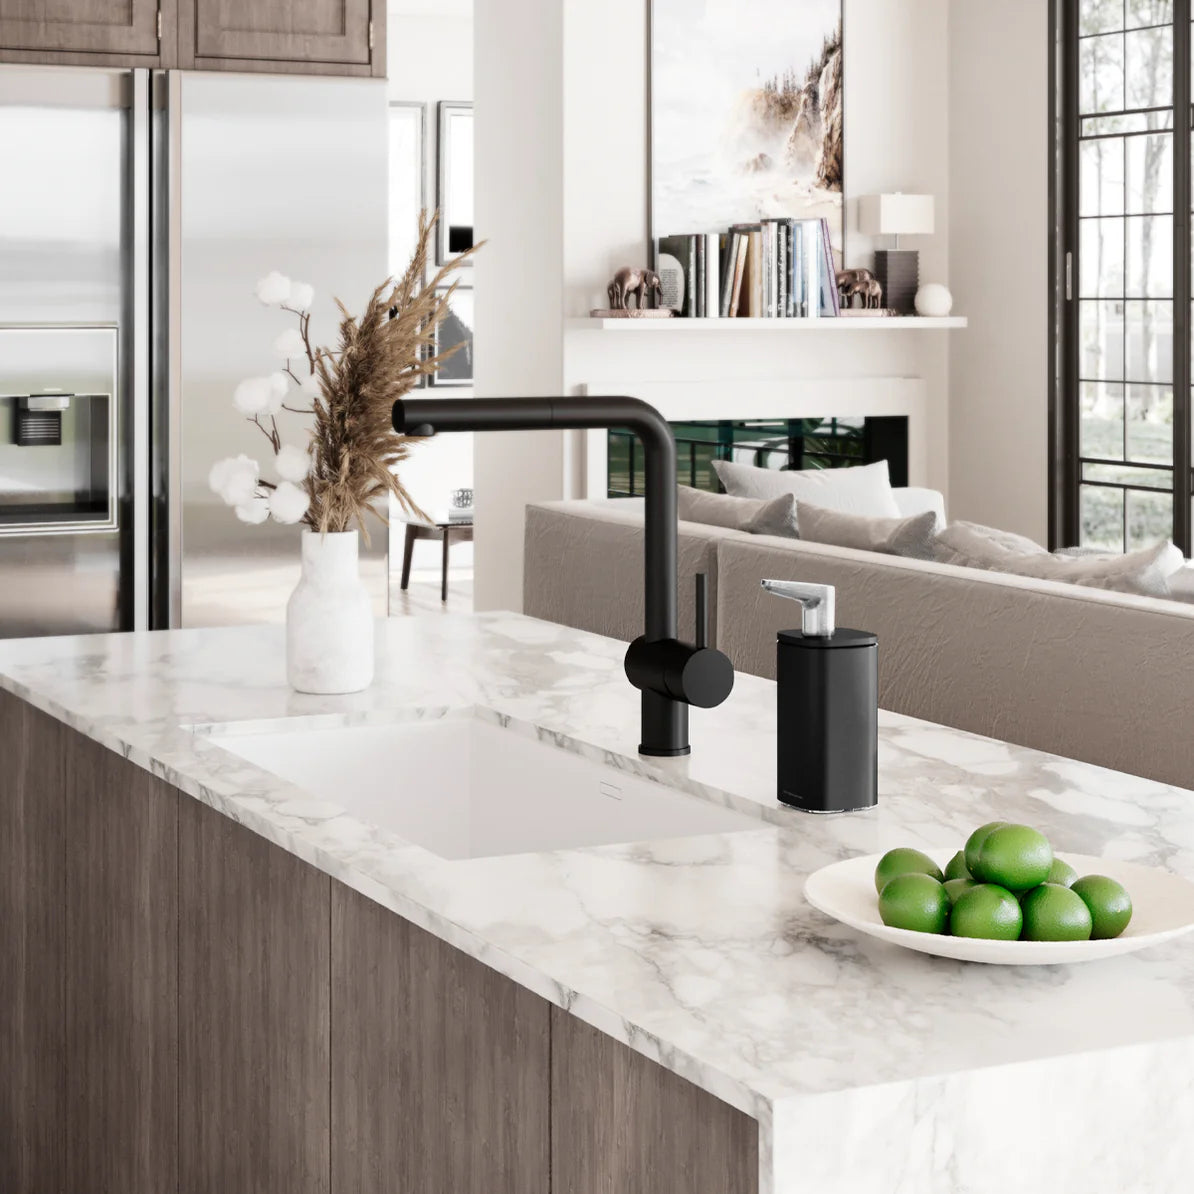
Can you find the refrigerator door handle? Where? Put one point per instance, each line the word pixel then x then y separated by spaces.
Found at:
pixel 165 408
pixel 139 440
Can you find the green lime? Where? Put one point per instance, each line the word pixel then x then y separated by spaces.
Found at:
pixel 1014 856
pixel 915 901
pixel 1109 903
pixel 1055 913
pixel 1062 873
pixel 904 861
pixel 987 911
pixel 955 887
pixel 975 840
pixel 956 867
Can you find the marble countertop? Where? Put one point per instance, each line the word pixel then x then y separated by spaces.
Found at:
pixel 701 953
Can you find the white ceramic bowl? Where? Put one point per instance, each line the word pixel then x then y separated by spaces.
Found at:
pixel 1162 908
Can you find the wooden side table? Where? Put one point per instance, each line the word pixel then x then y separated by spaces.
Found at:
pixel 459 530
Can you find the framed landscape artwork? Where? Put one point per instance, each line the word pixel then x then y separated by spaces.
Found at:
pixel 746 114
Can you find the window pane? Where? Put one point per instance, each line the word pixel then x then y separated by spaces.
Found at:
pixel 1119 474
pixel 1101 421
pixel 1101 74
pixel 1150 256
pixel 1099 16
pixel 1149 12
pixel 1101 341
pixel 1102 513
pixel 1149 68
pixel 1149 518
pixel 1101 259
pixel 1149 341
pixel 1149 173
pixel 1101 178
pixel 1150 424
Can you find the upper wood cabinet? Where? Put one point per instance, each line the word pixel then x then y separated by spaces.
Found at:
pixel 334 37
pixel 63 28
pixel 324 37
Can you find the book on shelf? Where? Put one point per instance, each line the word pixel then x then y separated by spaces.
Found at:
pixel 713 274
pixel 776 268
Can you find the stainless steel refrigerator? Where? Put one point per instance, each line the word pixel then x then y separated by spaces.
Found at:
pixel 137 210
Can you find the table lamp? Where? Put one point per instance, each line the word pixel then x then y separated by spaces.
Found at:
pixel 897 270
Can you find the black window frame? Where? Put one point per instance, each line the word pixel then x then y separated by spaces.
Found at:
pixel 1065 458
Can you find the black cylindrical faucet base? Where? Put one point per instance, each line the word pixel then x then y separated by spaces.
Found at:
pixel 828 721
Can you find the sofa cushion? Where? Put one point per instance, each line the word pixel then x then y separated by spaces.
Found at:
pixel 914 499
pixel 971 545
pixel 912 537
pixel 755 516
pixel 862 490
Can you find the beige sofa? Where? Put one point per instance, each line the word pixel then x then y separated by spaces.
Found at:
pixel 1103 677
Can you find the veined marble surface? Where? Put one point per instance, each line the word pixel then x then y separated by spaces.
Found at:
pixel 869 1068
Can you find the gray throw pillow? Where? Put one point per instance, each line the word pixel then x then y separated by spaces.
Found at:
pixel 865 489
pixel 1145 572
pixel 774 517
pixel 911 537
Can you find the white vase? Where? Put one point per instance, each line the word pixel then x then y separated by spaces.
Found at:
pixel 329 619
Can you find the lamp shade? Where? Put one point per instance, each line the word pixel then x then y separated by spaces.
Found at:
pixel 895 215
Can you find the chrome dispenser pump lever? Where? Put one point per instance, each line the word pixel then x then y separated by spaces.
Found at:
pixel 817 603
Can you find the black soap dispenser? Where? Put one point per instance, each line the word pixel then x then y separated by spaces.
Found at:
pixel 827 690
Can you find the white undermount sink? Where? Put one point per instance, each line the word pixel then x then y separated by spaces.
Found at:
pixel 464 787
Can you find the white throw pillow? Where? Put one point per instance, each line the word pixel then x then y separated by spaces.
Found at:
pixel 910 537
pixel 864 490
pixel 1180 584
pixel 755 516
pixel 1146 571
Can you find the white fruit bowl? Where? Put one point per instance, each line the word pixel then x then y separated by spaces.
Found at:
pixel 1162 908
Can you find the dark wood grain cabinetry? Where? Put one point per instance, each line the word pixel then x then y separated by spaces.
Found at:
pixel 616 1116
pixel 440 1065
pixel 189 1008
pixel 329 37
pixel 253 1013
pixel 320 36
pixel 60 30
pixel 121 850
pixel 88 934
pixel 32 948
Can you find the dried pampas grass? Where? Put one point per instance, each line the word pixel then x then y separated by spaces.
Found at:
pixel 380 358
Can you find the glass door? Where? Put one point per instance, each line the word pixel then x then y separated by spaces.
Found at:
pixel 1122 283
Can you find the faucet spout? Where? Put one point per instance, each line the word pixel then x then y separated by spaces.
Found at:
pixel 672 675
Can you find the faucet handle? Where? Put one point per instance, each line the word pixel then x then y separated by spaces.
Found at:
pixel 702 610
pixel 817 604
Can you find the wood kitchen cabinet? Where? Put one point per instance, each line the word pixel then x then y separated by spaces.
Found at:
pixel 253 1012
pixel 330 37
pixel 121 973
pixel 326 37
pixel 88 924
pixel 440 1065
pixel 189 1008
pixel 32 949
pixel 618 1118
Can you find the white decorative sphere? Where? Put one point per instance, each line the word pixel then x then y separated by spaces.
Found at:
pixel 934 300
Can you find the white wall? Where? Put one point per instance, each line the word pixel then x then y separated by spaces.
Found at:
pixel 999 178
pixel 519 81
pixel 562 102
pixel 429 46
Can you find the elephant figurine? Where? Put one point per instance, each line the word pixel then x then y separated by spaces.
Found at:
pixel 861 282
pixel 642 284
